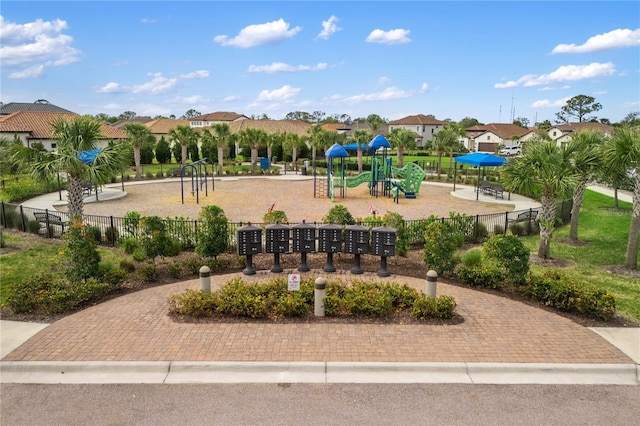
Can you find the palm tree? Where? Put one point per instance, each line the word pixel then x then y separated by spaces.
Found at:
pixel 359 137
pixel 443 141
pixel 316 138
pixel 586 160
pixel 255 138
pixel 292 141
pixel 457 132
pixel 222 137
pixel 183 135
pixel 375 122
pixel 622 151
pixel 75 136
pixel 546 169
pixel 400 139
pixel 138 135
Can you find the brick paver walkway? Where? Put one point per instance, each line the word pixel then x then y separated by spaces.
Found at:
pixel 136 327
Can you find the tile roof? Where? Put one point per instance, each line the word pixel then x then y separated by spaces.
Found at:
pixel 141 119
pixel 162 126
pixel 419 119
pixel 219 116
pixel 38 124
pixel 503 130
pixel 271 126
pixel 575 127
pixel 12 107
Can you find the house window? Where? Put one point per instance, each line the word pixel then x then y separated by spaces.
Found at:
pixel 418 129
pixel 488 137
pixel 554 133
pixel 424 129
pixel 54 145
pixel 432 131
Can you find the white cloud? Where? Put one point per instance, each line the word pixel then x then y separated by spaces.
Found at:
pixel 110 87
pixel 34 46
pixel 384 80
pixel 281 94
pixel 275 67
pixel 424 87
pixel 397 36
pixel 632 104
pixel 191 100
pixel 600 92
pixel 196 74
pixel 231 98
pixel 148 20
pixel 329 28
pixel 546 89
pixel 158 84
pixel 618 38
pixel 256 35
pixel 563 73
pixel 545 103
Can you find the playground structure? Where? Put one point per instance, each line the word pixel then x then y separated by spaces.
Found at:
pixel 382 178
pixel 199 178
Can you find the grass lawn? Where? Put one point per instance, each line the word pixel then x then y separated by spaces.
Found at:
pixel 604 232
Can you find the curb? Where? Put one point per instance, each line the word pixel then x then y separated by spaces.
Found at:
pixel 184 372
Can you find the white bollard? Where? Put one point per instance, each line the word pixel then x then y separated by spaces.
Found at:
pixel 432 283
pixel 205 279
pixel 319 294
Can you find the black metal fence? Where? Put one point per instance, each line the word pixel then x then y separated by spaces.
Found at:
pixel 110 230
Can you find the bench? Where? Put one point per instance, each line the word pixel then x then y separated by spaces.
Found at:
pixel 46 219
pixel 527 216
pixel 492 189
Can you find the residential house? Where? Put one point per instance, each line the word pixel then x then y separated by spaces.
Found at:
pixel 36 126
pixel 424 126
pixel 210 119
pixel 140 119
pixel 298 127
pixel 12 107
pixel 563 133
pixel 488 137
pixel 162 126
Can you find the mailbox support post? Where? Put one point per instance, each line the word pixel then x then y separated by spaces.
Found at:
pixel 249 269
pixel 276 263
pixel 329 267
pixel 356 268
pixel 303 267
pixel 382 272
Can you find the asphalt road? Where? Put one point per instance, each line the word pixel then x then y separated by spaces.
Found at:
pixel 299 404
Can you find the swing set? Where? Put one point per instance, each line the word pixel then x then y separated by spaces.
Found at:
pixel 199 179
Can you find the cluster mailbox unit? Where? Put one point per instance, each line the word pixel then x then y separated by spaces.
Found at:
pixel 304 241
pixel 249 243
pixel 301 238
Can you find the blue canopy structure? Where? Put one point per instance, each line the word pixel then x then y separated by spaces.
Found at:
pixel 354 146
pixel 478 159
pixel 336 150
pixel 87 157
pixel 379 142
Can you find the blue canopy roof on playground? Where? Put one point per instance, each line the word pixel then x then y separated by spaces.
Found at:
pixel 354 146
pixel 379 142
pixel 336 150
pixel 480 159
pixel 87 157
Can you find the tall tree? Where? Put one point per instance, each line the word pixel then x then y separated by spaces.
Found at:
pixel 578 107
pixel 317 138
pixel 163 151
pixel 222 137
pixel 402 139
pixel 361 137
pixel 445 141
pixel 375 122
pixel 543 167
pixel 190 114
pixel 585 150
pixel 137 134
pixel 292 141
pixel 127 115
pixel 182 135
pixel 467 122
pixel 75 136
pixel 622 152
pixel 254 138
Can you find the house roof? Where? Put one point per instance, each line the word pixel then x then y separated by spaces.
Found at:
pixel 502 130
pixel 419 119
pixel 38 124
pixel 334 127
pixel 142 120
pixel 222 116
pixel 575 127
pixel 164 125
pixel 12 107
pixel 271 126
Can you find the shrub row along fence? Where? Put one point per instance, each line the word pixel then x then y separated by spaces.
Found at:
pixel 109 230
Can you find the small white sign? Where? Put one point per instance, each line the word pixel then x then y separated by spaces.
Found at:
pixel 294 282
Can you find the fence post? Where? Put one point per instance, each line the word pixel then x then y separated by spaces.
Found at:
pixel 113 232
pixel 2 214
pixel 475 231
pixel 24 225
pixel 506 222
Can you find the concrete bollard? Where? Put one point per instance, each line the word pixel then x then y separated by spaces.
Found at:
pixel 205 279
pixel 319 294
pixel 432 283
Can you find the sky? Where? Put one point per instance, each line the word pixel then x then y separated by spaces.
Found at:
pixel 493 61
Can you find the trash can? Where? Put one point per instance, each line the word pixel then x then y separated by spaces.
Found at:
pixel 303 171
pixel 264 163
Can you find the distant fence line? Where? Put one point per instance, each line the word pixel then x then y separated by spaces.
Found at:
pixel 113 229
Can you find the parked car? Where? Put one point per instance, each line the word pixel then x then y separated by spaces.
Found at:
pixel 508 151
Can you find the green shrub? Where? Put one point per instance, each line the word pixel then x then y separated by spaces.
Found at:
pixel 174 269
pixel 498 229
pixel 480 232
pixel 440 245
pixel 211 239
pixel 111 234
pixel 339 215
pixel 461 224
pixel 155 240
pixel 95 232
pixel 510 253
pixel 194 303
pixel 193 262
pixel 181 231
pixel 80 256
pixel 368 300
pixel 566 294
pixel 11 217
pixel 148 272
pixel 130 244
pixel 33 227
pixel 484 275
pixel 518 229
pixel 426 307
pixel 472 257
pixel 274 216
pixel 395 220
pixel 149 175
pixel 132 223
pixel 112 275
pixel 127 265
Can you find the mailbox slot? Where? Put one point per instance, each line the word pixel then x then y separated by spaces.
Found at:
pixel 330 238
pixel 356 239
pixel 383 241
pixel 277 238
pixel 304 238
pixel 249 240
